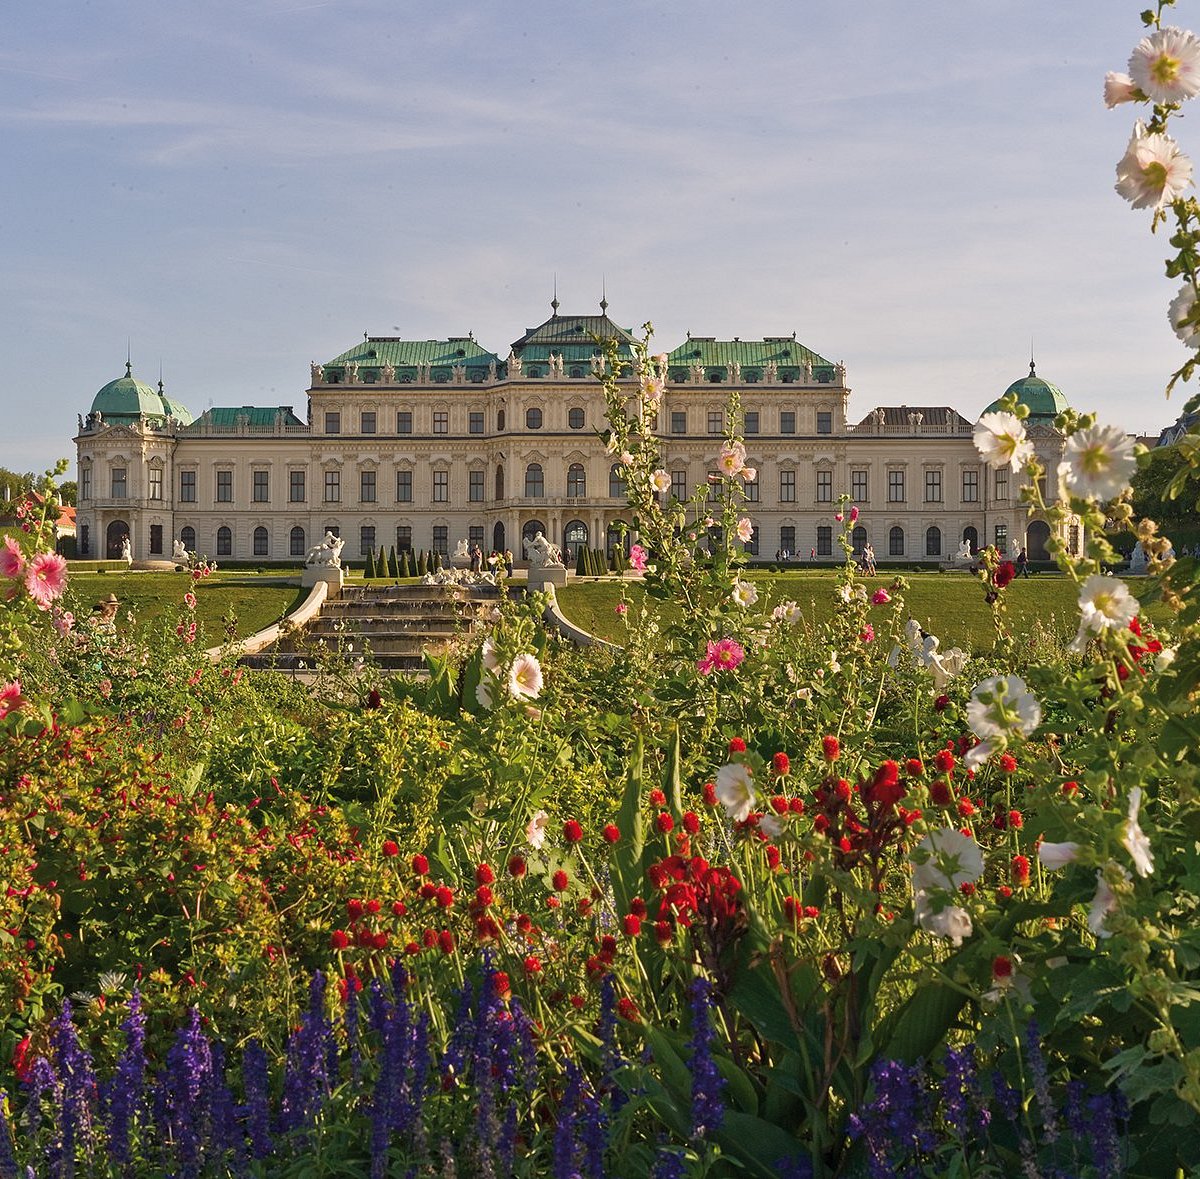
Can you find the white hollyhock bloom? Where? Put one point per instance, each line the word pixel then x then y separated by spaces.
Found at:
pixel 485 693
pixel 735 790
pixel 1180 308
pixel 661 480
pixel 1098 463
pixel 946 665
pixel 771 826
pixel 950 922
pixel 1164 659
pixel 535 830
pixel 1105 602
pixel 978 754
pixel 625 459
pixel 1001 442
pixel 1118 88
pixel 1134 838
pixel 1153 171
pixel 951 859
pixel 490 661
pixel 653 387
pixel 1057 855
pixel 525 677
pixel 1104 902
pixel 745 530
pixel 1165 66
pixel 1002 706
pixel 744 593
pixel 787 612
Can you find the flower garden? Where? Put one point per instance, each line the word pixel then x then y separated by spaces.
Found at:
pixel 752 896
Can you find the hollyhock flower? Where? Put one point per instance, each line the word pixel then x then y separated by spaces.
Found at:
pixel 1153 171
pixel 745 530
pixel 748 474
pixel 951 860
pixel 731 459
pixel 787 612
pixel 653 387
pixel 867 635
pixel 1134 838
pixel 46 578
pixel 735 791
pixel 621 608
pixel 525 677
pixel 1105 900
pixel 1098 463
pixel 1057 855
pixel 1000 439
pixel 10 697
pixel 1164 659
pixel 880 597
pixel 723 655
pixel 1119 88
pixel 535 830
pixel 744 593
pixel 491 661
pixel 625 459
pixel 1000 707
pixel 638 558
pixel 661 480
pixel 1165 66
pixel 12 559
pixel 951 921
pixel 1181 307
pixel 853 514
pixel 485 693
pixel 1004 574
pixel 64 622
pixel 1104 603
pixel 189 600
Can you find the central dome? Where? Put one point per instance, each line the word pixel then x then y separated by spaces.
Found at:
pixel 1045 401
pixel 126 399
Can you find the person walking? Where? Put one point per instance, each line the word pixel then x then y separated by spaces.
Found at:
pixel 868 560
pixel 1022 564
pixel 508 562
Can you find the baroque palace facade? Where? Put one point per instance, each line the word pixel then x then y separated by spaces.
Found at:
pixel 421 443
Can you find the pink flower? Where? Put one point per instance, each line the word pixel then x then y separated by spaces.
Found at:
pixel 46 578
pixel 12 560
pixel 868 634
pixel 10 697
pixel 723 655
pixel 745 530
pixel 880 597
pixel 748 474
pixel 839 517
pixel 64 622
pixel 732 458
pixel 621 607
pixel 637 557
pixel 189 600
pixel 853 515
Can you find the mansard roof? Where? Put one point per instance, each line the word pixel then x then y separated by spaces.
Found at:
pixel 751 356
pixel 931 415
pixel 573 337
pixel 257 417
pixel 378 351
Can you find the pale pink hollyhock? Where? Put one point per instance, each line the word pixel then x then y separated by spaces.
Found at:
pixel 626 458
pixel 880 597
pixel 745 593
pixel 12 560
pixel 638 557
pixel 745 530
pixel 189 600
pixel 1180 309
pixel 661 480
pixel 723 655
pixel 748 474
pixel 732 458
pixel 535 830
pixel 853 515
pixel 1165 66
pixel 10 697
pixel 525 677
pixel 1119 88
pixel 1153 171
pixel 46 578
pixel 64 622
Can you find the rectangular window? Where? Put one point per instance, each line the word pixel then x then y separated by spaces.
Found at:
pixel 262 487
pixel 787 487
pixel 475 487
pixel 858 486
pixel 716 421
pixel 156 535
pixel 679 421
pixel 476 422
pixel 933 487
pixel 824 487
pixel 85 483
pixel 368 422
pixel 187 487
pixel 824 540
pixel 154 485
pixel 475 535
pixel 824 422
pixel 333 422
pixel 751 490
pixel 403 537
pixel 787 538
pixel 714 485
pixel 441 422
pixel 366 539
pixel 296 487
pixel 404 487
pixel 970 490
pixel 751 421
pixel 404 421
pixel 333 487
pixel 224 487
pixel 679 487
pixel 895 487
pixel 366 487
pixel 120 483
pixel 441 487
pixel 787 421
pixel 441 539
pixel 1002 484
pixel 1002 538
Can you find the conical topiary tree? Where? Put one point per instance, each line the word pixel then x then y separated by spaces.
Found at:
pixel 393 564
pixel 369 571
pixel 581 561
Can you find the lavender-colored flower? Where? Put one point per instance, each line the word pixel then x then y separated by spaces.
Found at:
pixel 1007 1099
pixel 565 1144
pixel 708 1106
pixel 42 1082
pixel 594 1135
pixel 670 1164
pixel 506 1148
pixel 350 1027
pixel 77 1082
pixel 891 1122
pixel 1102 1135
pixel 1041 1080
pixel 187 1088
pixel 125 1094
pixel 256 1082
pixel 8 1162
pixel 798 1166
pixel 311 1050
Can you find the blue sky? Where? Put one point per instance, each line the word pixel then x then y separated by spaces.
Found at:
pixel 240 187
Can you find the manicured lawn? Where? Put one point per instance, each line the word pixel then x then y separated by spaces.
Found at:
pixel 949 605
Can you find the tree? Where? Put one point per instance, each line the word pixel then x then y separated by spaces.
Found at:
pixel 1170 469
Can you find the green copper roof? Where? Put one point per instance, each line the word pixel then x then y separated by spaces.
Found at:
pixel 126 399
pixel 573 337
pixel 1045 401
pixel 788 355
pixel 377 351
pixel 258 417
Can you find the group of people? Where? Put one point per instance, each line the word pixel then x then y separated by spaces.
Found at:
pixel 494 560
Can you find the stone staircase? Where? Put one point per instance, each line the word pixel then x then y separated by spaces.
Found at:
pixel 396 624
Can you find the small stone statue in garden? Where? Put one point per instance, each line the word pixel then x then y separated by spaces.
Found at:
pixel 327 553
pixel 542 552
pixel 127 551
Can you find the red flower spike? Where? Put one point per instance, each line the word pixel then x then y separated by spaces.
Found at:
pixel 339 939
pixel 632 925
pixel 663 823
pixel 657 797
pixel 691 822
pixel 446 942
pixel 781 765
pixel 560 880
pixel 941 703
pixel 484 874
pixel 737 745
pixel 710 794
pixel 516 867
pixel 1008 763
pixel 611 833
pixel 1020 871
pixel 944 761
pixel 354 910
pixel 572 831
pixel 420 864
pixel 830 748
pixel 391 848
pixel 914 767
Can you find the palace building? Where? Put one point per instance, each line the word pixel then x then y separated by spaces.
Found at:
pixel 421 443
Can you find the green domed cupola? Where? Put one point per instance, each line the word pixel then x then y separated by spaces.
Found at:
pixel 1045 401
pixel 126 399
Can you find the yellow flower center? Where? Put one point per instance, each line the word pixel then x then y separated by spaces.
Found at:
pixel 1094 460
pixel 1155 174
pixel 1165 69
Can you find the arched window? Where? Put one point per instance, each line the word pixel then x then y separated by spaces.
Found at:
pixel 500 479
pixel 535 481
pixel 575 537
pixel 616 481
pixel 933 541
pixel 576 481
pixel 262 543
pixel 529 531
pixel 575 418
pixel 896 542
pixel 500 420
pixel 858 539
pixel 224 541
pixel 971 536
pixel 617 537
pixel 188 537
pixel 533 418
pixel 296 545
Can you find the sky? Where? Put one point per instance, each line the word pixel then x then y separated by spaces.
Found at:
pixel 233 189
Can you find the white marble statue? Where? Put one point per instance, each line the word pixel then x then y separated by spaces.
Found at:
pixel 542 552
pixel 462 551
pixel 127 551
pixel 1137 562
pixel 328 553
pixel 964 551
pixel 179 552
